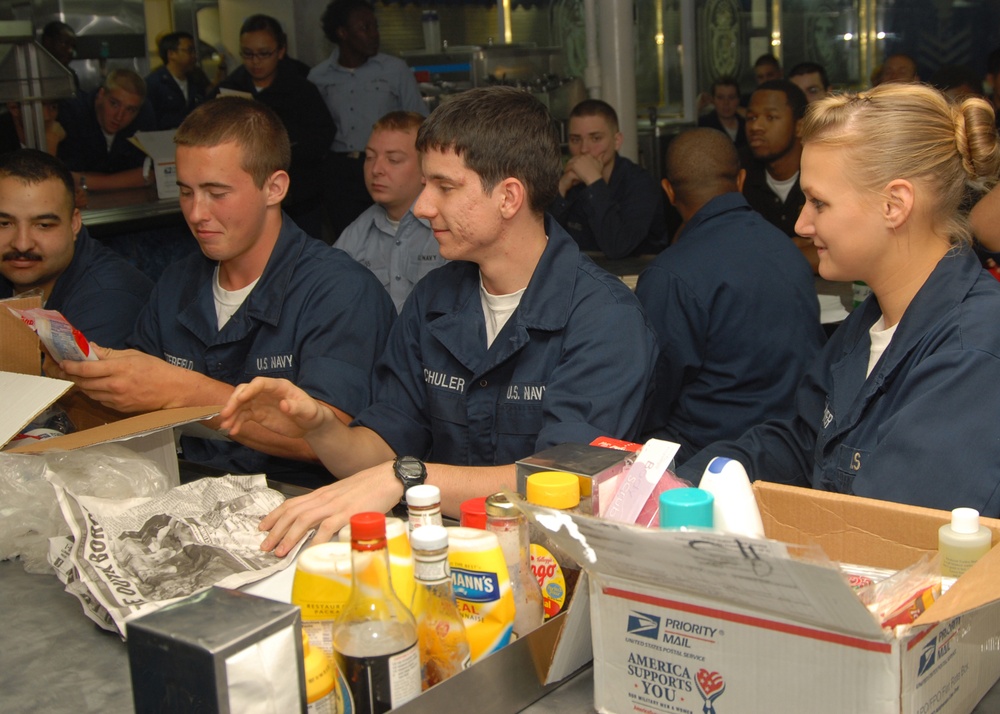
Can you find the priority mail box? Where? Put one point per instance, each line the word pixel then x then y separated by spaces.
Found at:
pixel 707 623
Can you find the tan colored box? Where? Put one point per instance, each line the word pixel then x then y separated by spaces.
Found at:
pixel 689 623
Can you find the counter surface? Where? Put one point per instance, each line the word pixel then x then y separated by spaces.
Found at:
pixel 56 660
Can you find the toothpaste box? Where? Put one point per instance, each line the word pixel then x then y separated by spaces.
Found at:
pixel 705 623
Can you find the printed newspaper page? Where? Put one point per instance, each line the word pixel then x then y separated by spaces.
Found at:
pixel 136 555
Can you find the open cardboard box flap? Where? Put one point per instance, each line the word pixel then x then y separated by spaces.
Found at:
pixel 747 572
pixel 132 427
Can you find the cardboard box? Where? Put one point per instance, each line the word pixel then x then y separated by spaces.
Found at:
pixel 149 435
pixel 701 622
pixel 160 147
pixel 587 462
pixel 218 651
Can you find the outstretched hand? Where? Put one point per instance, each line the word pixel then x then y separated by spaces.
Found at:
pixel 275 404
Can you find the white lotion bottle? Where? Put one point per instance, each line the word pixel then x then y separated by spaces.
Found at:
pixel 735 509
pixel 962 542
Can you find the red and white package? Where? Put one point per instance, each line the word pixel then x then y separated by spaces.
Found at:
pixel 61 339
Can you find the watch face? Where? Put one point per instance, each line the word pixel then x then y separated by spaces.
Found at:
pixel 410 468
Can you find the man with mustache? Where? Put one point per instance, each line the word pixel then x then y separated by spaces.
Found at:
pixel 44 245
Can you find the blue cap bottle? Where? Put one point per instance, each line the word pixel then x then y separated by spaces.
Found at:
pixel 686 508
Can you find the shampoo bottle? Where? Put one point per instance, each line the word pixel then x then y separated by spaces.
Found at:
pixel 962 542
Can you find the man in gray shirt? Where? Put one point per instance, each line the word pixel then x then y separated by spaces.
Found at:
pixel 387 238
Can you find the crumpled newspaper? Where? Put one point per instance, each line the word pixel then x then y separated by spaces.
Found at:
pixel 29 511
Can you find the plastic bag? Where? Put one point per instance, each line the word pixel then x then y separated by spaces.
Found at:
pixel 29 512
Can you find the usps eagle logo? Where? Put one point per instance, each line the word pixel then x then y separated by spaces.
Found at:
pixel 711 685
pixel 644 625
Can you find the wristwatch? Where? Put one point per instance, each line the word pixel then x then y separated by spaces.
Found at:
pixel 410 471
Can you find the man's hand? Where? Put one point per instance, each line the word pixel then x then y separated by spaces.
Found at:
pixel 275 404
pixel 586 168
pixel 330 508
pixel 126 380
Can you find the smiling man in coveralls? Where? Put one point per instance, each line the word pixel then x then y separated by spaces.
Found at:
pixel 517 344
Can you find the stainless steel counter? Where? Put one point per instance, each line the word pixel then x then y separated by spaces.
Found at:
pixel 128 205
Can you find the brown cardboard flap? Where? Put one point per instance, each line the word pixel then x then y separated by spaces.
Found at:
pixel 19 348
pixel 977 587
pixel 124 429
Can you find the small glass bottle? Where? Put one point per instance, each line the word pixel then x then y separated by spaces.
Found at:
pixel 375 638
pixel 444 646
pixel 423 506
pixel 511 529
pixel 554 569
pixel 962 542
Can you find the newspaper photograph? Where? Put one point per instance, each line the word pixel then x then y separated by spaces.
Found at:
pixel 130 557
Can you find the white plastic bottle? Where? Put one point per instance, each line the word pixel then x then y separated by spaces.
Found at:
pixel 962 542
pixel 423 507
pixel 735 509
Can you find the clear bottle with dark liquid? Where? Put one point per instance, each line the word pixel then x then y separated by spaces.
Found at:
pixel 375 638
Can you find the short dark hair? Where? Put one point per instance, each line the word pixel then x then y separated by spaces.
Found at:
pixel 726 80
pixel 337 15
pixel 808 68
pixel 993 61
pixel 953 76
pixel 265 23
pixel 767 58
pixel 500 132
pixel 251 125
pixel 596 108
pixel 55 28
pixel 171 41
pixel 793 94
pixel 32 166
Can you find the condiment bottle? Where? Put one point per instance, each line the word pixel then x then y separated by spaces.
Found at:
pixel 400 555
pixel 962 542
pixel 375 638
pixel 554 569
pixel 444 646
pixel 423 507
pixel 511 529
pixel 320 679
pixel 321 586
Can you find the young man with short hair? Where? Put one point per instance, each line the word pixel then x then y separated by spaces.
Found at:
pixel 44 245
pixel 772 184
pixel 262 298
pixel 178 86
pixel 519 343
pixel 98 126
pixel 811 78
pixel 726 117
pixel 387 238
pixel 605 201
